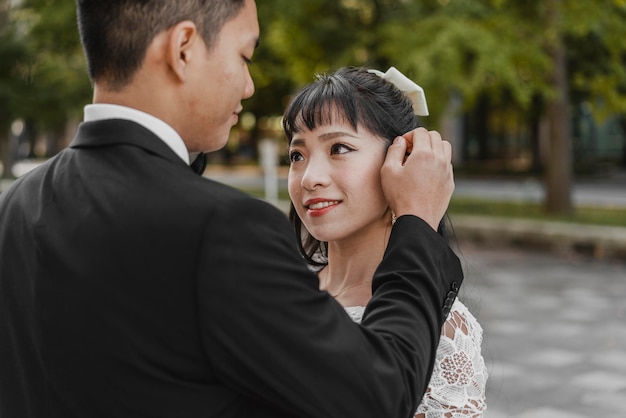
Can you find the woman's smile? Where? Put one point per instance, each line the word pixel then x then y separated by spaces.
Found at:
pixel 319 207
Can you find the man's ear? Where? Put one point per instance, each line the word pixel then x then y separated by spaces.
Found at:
pixel 181 41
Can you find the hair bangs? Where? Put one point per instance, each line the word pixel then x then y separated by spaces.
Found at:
pixel 330 100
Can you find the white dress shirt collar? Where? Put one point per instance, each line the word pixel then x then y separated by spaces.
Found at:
pixel 101 111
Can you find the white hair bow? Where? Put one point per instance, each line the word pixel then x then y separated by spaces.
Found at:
pixel 408 87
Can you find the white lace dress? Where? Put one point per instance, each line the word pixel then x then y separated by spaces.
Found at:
pixel 457 385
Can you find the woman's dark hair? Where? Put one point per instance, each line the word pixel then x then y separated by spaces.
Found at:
pixel 358 97
pixel 116 33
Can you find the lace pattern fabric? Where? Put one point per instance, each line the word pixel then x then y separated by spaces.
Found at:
pixel 457 385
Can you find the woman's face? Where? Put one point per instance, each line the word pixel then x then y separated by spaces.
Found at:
pixel 334 181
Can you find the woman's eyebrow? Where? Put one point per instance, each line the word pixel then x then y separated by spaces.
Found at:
pixel 327 136
pixel 296 142
pixel 332 135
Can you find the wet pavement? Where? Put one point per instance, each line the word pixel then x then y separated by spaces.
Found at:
pixel 554 332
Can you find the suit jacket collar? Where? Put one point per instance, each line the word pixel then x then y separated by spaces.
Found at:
pixel 102 133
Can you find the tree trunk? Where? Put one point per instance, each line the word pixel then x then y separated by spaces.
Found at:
pixel 481 113
pixel 559 162
pixel 8 149
pixel 623 126
pixel 534 125
pixel 4 153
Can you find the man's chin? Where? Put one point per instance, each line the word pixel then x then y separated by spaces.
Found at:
pixel 211 145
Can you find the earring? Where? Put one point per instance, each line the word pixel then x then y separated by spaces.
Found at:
pixel 393 218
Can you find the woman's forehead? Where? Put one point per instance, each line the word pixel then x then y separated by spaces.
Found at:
pixel 323 115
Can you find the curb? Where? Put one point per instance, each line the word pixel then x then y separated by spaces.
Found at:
pixel 599 242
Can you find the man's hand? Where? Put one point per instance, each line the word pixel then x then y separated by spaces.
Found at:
pixel 422 182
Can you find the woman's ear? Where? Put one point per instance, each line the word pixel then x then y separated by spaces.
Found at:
pixel 182 38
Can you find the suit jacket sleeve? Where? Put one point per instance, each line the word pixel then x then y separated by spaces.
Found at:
pixel 270 334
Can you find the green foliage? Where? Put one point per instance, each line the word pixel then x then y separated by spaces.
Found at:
pixel 493 48
pixel 471 57
pixel 13 71
pixel 55 84
pixel 301 39
pixel 471 48
pixel 595 33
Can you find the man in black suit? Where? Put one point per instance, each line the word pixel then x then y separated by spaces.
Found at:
pixel 132 287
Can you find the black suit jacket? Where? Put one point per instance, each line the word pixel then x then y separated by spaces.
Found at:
pixel 132 287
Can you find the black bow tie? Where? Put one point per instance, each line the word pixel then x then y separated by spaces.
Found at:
pixel 199 164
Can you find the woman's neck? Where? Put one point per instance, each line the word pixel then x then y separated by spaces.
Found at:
pixel 352 263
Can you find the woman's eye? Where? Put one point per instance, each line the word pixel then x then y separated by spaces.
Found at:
pixel 340 149
pixel 295 156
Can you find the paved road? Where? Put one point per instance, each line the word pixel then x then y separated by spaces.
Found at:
pixel 554 332
pixel 607 192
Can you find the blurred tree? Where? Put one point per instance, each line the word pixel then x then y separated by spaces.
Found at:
pixel 497 56
pixel 596 58
pixel 559 167
pixel 45 82
pixel 301 39
pixel 594 33
pixel 515 55
pixel 13 76
pixel 59 86
pixel 500 56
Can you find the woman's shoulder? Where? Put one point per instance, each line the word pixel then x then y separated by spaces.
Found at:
pixel 459 319
pixel 457 385
pixel 461 322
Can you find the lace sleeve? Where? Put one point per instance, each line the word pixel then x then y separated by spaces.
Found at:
pixel 457 385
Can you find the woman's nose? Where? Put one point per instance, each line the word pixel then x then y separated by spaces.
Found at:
pixel 315 175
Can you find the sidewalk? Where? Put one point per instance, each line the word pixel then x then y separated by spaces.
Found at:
pixel 554 339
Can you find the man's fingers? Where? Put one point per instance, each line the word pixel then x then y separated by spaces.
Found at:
pixel 429 141
pixel 426 172
pixel 396 151
pixel 435 140
pixel 426 145
pixel 447 150
pixel 419 138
